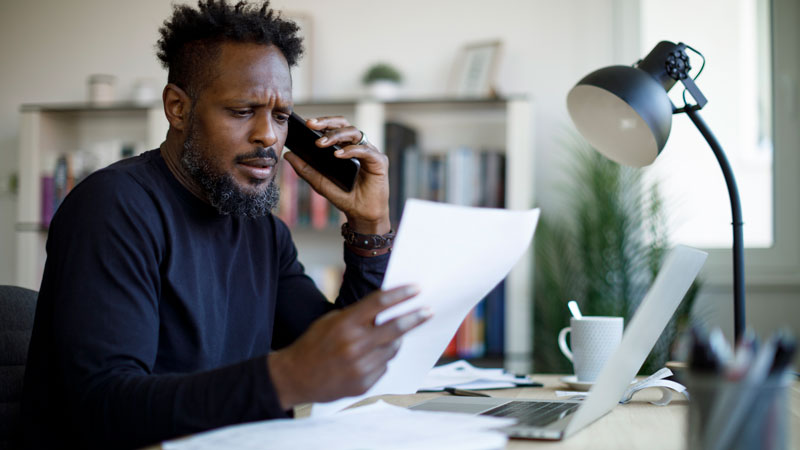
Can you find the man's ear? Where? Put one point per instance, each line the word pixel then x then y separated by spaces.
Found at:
pixel 177 106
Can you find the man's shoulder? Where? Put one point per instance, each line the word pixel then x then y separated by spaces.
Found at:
pixel 129 184
pixel 142 169
pixel 128 177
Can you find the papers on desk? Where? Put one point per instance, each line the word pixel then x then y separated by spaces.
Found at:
pixel 378 425
pixel 656 380
pixel 463 375
pixel 455 255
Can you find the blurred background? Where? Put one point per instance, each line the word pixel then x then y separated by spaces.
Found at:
pixel 50 50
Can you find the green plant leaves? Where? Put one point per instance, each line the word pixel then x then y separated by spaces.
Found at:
pixel 604 252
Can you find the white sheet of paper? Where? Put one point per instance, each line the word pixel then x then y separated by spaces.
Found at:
pixel 378 425
pixel 455 255
pixel 464 375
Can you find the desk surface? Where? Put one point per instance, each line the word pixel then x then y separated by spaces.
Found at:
pixel 635 425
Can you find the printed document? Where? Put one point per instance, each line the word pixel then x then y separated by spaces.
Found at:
pixel 455 255
pixel 379 425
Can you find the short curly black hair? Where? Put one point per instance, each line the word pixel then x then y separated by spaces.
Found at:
pixel 191 38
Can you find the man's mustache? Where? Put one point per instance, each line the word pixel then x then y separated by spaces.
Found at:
pixel 258 153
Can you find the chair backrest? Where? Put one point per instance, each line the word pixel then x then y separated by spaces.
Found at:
pixel 17 308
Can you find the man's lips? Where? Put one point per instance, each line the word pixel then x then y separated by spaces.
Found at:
pixel 259 168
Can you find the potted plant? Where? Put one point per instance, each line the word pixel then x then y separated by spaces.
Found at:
pixel 604 252
pixel 383 81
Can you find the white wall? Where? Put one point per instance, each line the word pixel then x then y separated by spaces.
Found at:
pixel 48 47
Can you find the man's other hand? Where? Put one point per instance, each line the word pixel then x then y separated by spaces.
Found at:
pixel 367 205
pixel 343 353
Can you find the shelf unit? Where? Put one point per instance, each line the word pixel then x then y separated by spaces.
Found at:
pixel 49 130
pixel 441 124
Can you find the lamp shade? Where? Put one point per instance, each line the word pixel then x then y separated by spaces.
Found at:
pixel 623 112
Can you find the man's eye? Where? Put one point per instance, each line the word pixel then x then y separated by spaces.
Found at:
pixel 241 112
pixel 282 118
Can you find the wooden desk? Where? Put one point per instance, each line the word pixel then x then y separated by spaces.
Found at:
pixel 636 425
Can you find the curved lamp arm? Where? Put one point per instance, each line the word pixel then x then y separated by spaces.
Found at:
pixel 736 214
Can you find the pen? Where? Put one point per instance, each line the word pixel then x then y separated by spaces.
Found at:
pixel 465 393
pixel 530 384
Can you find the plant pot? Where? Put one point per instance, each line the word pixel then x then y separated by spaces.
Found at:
pixel 384 89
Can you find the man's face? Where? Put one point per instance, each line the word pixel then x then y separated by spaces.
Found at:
pixel 237 129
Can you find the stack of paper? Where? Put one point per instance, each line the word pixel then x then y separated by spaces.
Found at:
pixel 463 375
pixel 378 425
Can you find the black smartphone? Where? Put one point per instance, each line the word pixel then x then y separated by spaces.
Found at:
pixel 301 140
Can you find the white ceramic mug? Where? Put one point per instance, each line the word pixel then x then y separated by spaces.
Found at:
pixel 594 340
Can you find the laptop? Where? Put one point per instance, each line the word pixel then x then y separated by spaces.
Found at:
pixel 559 419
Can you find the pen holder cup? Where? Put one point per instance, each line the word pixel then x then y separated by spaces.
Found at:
pixel 726 414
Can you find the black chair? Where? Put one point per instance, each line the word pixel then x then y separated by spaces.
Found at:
pixel 17 307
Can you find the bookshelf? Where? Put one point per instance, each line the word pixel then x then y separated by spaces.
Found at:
pixel 441 126
pixel 444 125
pixel 49 131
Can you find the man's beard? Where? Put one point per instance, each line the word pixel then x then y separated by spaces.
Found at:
pixel 220 188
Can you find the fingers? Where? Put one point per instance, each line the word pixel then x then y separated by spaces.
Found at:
pixel 378 301
pixel 340 136
pixel 328 122
pixel 338 131
pixel 393 329
pixel 377 358
pixel 371 159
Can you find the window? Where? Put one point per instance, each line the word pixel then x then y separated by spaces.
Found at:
pixel 734 37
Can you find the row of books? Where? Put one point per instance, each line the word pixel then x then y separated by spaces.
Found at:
pixel 67 169
pixel 462 176
pixel 302 206
pixel 482 333
pixel 55 187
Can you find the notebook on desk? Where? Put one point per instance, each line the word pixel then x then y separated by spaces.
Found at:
pixel 559 419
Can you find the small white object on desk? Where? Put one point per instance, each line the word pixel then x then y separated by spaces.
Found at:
pixel 574 309
pixel 463 375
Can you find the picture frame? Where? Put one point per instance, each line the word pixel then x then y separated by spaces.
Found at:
pixel 476 70
pixel 302 86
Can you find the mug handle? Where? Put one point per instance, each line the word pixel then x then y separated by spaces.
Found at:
pixel 562 342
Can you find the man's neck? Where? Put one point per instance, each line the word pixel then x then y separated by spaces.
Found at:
pixel 171 151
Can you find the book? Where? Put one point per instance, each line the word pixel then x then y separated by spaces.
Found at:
pixel 399 138
pixel 287 205
pixel 319 211
pixel 48 200
pixel 495 320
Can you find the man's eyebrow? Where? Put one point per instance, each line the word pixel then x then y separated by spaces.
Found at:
pixel 287 107
pixel 244 102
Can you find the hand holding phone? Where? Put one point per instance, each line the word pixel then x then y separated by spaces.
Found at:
pixel 301 140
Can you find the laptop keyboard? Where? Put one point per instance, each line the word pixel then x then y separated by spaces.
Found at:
pixel 533 413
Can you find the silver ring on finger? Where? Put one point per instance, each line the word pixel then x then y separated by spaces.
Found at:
pixel 363 140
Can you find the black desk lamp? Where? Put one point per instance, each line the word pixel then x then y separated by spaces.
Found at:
pixel 624 112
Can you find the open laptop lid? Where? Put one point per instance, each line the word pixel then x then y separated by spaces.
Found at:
pixel 679 270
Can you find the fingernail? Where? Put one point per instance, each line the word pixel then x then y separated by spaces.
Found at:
pixel 339 152
pixel 323 140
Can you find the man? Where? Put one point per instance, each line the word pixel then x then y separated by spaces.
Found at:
pixel 172 300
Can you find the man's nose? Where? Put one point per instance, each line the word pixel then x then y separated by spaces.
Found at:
pixel 264 130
